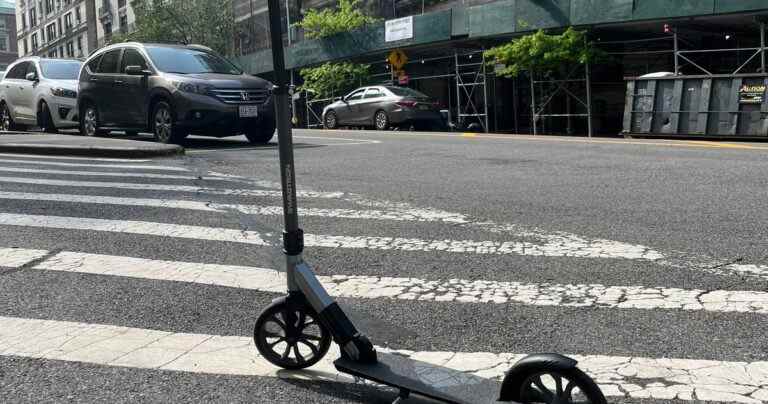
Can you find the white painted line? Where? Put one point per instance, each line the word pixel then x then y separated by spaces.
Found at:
pixel 18 257
pixel 123 166
pixel 133 227
pixel 416 216
pixel 109 174
pixel 618 376
pixel 48 157
pixel 311 240
pixel 165 187
pixel 454 290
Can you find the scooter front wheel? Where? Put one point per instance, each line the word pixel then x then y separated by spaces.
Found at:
pixel 290 336
pixel 561 387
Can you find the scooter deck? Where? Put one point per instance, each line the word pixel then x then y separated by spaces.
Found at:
pixel 436 382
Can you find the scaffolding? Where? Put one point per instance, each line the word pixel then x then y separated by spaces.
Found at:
pixel 471 81
pixel 550 88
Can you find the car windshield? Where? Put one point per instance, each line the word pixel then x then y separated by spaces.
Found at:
pixel 61 69
pixel 406 92
pixel 190 61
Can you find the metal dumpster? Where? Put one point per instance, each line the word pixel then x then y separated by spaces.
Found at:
pixel 717 106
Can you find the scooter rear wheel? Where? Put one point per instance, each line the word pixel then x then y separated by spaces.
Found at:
pixel 570 386
pixel 290 336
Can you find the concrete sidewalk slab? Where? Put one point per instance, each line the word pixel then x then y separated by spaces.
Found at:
pixel 77 145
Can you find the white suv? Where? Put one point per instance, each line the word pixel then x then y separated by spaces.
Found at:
pixel 40 92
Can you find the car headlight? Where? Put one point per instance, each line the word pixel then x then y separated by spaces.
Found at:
pixel 194 88
pixel 63 92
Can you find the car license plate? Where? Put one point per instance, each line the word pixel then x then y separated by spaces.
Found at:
pixel 249 111
pixel 424 107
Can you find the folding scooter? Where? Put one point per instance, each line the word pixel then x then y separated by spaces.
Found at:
pixel 295 331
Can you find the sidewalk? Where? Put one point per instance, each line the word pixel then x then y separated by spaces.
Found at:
pixel 77 145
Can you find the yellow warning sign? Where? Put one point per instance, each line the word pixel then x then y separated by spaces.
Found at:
pixel 397 59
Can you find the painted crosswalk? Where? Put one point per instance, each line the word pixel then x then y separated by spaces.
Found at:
pixel 634 377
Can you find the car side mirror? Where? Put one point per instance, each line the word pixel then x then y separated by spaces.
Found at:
pixel 136 71
pixel 31 76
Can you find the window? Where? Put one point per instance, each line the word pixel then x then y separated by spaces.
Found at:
pixel 124 24
pixel 34 42
pixel 108 30
pixel 61 51
pixel 52 54
pixel 50 31
pixel 26 46
pixel 406 92
pixel 374 93
pixel 109 62
pixel 132 57
pixel 61 30
pixel 68 21
pixel 31 69
pixel 48 6
pixel 93 65
pixel 80 44
pixel 18 72
pixel 70 49
pixel 3 43
pixel 32 17
pixel 355 96
pixel 190 61
pixel 61 69
pixel 78 17
pixel 23 20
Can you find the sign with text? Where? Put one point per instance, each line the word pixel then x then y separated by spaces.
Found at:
pixel 398 29
pixel 752 94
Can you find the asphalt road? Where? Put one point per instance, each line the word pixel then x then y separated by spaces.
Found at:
pixel 646 259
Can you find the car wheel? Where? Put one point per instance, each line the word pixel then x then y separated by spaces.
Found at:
pixel 45 120
pixel 331 120
pixel 6 120
pixel 262 133
pixel 381 120
pixel 89 121
pixel 162 124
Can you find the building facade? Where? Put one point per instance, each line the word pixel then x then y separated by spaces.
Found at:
pixel 8 51
pixel 446 38
pixel 69 28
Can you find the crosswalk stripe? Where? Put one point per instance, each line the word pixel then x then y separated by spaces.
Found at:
pixel 124 166
pixel 18 257
pixel 48 157
pixel 416 216
pixel 454 290
pixel 109 174
pixel 312 240
pixel 120 346
pixel 165 187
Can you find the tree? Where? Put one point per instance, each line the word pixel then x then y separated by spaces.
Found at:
pixel 543 53
pixel 205 22
pixel 330 79
pixel 347 17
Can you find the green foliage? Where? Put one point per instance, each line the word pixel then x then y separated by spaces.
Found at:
pixel 330 79
pixel 543 53
pixel 347 17
pixel 205 22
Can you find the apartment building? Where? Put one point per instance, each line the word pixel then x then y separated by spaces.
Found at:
pixel 69 28
pixel 8 51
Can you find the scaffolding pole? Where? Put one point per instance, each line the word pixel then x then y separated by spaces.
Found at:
pixel 466 91
pixel 589 97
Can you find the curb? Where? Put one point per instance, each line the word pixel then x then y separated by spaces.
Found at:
pixel 90 151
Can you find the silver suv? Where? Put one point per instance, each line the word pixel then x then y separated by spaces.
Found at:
pixel 40 92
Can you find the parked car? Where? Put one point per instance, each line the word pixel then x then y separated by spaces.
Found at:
pixel 382 107
pixel 172 91
pixel 39 92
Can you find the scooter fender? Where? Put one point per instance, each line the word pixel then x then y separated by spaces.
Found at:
pixel 531 364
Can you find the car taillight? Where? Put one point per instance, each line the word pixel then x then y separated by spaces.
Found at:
pixel 407 104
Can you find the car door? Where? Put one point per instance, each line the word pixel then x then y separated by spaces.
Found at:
pixel 25 103
pixel 11 88
pixel 370 104
pixel 103 88
pixel 346 113
pixel 131 92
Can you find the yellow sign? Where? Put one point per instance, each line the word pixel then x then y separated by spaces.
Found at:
pixel 397 59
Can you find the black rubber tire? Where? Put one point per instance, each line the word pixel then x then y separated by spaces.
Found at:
pixel 333 123
pixel 286 362
pixel 167 132
pixel 261 133
pixel 380 120
pixel 579 379
pixel 45 120
pixel 9 125
pixel 87 130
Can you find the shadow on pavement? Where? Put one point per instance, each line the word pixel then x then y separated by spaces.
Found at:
pixel 353 392
pixel 213 143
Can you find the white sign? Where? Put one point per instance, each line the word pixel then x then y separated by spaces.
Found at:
pixel 399 29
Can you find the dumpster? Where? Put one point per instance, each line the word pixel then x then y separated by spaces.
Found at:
pixel 716 106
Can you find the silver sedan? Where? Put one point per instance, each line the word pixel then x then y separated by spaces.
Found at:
pixel 383 107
